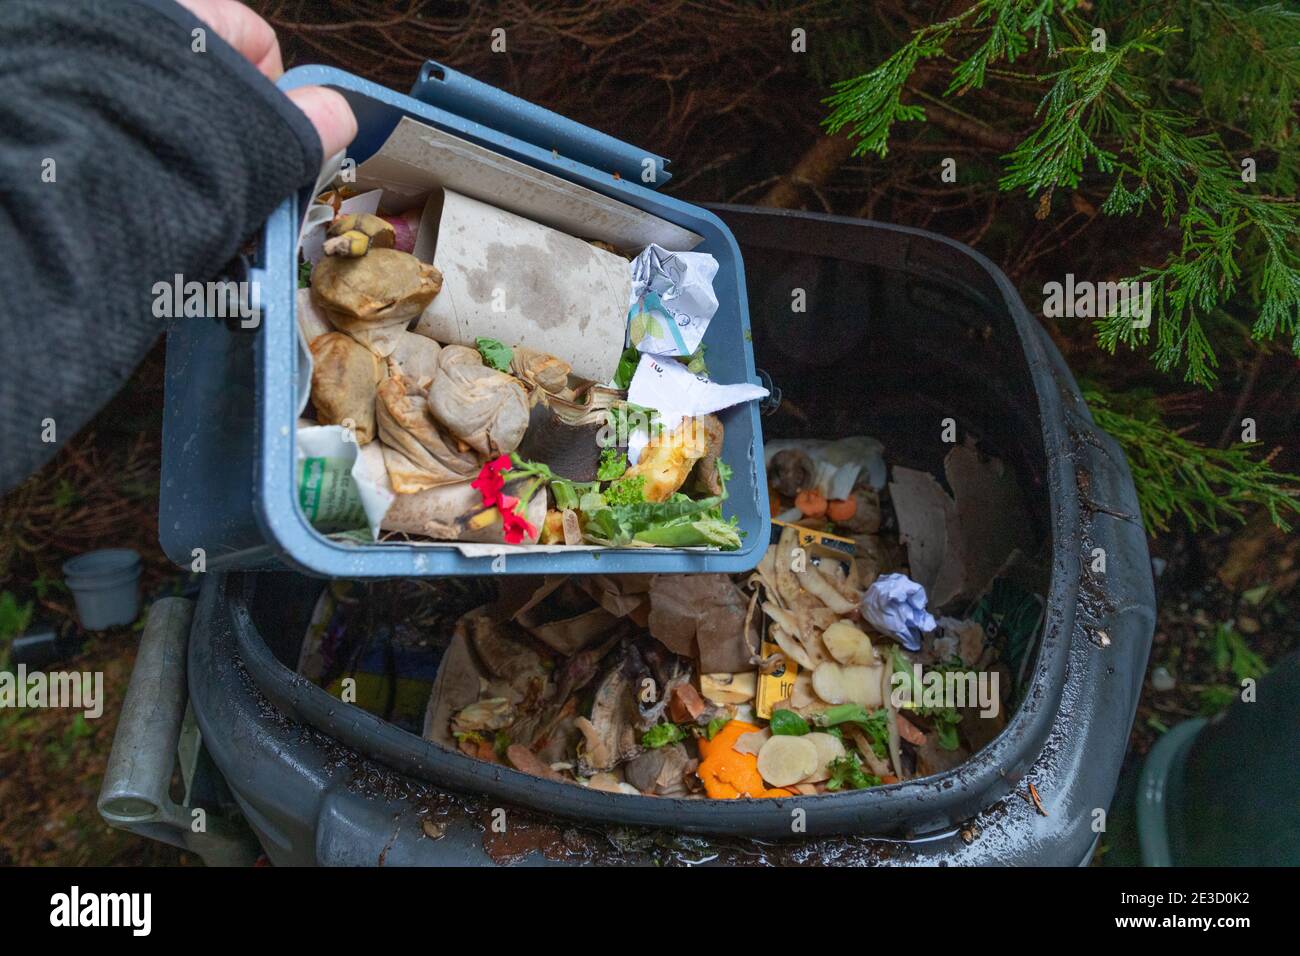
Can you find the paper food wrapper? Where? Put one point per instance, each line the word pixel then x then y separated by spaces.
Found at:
pixel 512 279
pixel 677 393
pixel 341 486
pixel 673 300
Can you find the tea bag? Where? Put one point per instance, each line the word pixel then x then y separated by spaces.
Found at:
pixel 373 298
pixel 417 455
pixel 416 357
pixel 455 512
pixel 540 370
pixel 343 379
pixel 486 409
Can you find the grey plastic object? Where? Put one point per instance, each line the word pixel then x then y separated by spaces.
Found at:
pixel 136 792
pixel 1222 792
pixel 948 335
pixel 228 488
pixel 106 587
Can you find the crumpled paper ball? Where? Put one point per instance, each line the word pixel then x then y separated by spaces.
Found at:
pixel 895 605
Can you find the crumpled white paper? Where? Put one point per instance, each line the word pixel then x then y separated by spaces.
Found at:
pixel 672 300
pixel 895 605
pixel 675 392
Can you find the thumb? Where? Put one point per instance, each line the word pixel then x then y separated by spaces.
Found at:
pixel 330 113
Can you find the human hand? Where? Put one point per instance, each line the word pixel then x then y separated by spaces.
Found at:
pixel 254 38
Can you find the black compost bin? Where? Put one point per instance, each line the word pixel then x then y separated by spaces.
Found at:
pixel 902 330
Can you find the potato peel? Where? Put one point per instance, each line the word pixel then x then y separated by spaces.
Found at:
pixel 785 760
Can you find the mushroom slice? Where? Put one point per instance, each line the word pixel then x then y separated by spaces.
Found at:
pixel 729 688
pixel 707 477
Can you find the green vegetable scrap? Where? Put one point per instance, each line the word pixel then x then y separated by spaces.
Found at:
pixel 626 491
pixel 716 724
pixel 847 774
pixel 945 719
pixel 678 522
pixel 624 418
pixel 612 464
pixel 788 723
pixel 873 723
pixel 566 495
pixel 495 353
pixel 661 735
pixel 627 364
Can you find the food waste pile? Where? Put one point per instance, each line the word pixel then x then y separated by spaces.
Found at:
pixel 480 377
pixel 829 668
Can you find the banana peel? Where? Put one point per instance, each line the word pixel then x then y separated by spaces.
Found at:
pixel 363 231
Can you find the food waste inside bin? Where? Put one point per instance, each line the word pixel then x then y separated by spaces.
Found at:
pixel 910 339
pixel 910 539
pixel 822 671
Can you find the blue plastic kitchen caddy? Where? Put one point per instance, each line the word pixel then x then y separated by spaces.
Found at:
pixel 228 497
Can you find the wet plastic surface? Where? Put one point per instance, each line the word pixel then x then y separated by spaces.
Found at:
pixel 903 329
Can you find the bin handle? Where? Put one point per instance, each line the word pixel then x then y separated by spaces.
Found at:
pixel 447 89
pixel 136 793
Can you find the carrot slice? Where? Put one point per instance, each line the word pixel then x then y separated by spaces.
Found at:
pixel 811 503
pixel 841 509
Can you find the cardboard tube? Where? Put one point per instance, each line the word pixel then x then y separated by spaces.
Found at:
pixel 509 278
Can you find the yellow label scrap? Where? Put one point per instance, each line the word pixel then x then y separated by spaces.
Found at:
pixel 817 543
pixel 776 686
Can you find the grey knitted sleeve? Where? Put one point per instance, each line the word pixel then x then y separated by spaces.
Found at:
pixel 127 156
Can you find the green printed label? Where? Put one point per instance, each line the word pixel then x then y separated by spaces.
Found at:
pixel 328 495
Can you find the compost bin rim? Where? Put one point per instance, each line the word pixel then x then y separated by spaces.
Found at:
pixel 924 805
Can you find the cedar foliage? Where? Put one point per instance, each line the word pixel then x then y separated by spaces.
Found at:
pixel 1171 108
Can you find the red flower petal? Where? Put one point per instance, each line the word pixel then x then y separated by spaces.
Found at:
pixel 489 481
pixel 515 525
